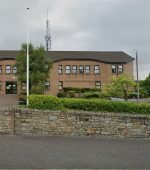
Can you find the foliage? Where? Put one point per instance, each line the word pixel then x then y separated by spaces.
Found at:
pixel 44 102
pixel 88 95
pixel 61 94
pixel 145 84
pixel 37 89
pixel 80 90
pixel 38 67
pixel 120 86
pixel 54 103
pixel 71 94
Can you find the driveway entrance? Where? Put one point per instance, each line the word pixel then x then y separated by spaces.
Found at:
pixel 8 99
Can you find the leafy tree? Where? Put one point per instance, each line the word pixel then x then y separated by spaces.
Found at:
pixel 38 67
pixel 145 84
pixel 120 86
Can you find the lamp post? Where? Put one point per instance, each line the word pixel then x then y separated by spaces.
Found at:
pixel 27 88
pixel 137 76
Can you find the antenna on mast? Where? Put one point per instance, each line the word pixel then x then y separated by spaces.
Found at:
pixel 48 34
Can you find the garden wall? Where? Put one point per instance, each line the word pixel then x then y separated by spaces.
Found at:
pixel 74 123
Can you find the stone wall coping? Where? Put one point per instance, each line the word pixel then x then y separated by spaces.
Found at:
pixel 77 112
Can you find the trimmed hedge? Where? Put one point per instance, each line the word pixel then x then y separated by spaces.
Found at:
pixel 54 103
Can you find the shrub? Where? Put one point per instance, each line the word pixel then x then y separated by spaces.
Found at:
pixel 61 94
pixel 44 102
pixel 80 90
pixel 54 103
pixel 71 94
pixel 88 95
pixel 38 89
pixel 22 98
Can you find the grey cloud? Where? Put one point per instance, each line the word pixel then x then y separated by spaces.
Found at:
pixel 80 25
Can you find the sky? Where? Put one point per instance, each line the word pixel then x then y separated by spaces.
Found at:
pixel 80 25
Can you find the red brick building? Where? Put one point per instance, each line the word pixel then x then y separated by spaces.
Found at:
pixel 84 69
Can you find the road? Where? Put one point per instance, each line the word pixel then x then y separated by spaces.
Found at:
pixel 39 152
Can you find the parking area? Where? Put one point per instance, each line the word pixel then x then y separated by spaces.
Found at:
pixel 8 99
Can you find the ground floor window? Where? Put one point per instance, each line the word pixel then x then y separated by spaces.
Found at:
pixel 11 87
pixel 98 84
pixel 23 86
pixel 47 85
pixel 60 85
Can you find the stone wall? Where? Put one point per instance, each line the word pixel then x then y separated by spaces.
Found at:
pixel 6 121
pixel 77 123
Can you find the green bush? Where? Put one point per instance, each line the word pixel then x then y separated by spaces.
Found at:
pixel 45 102
pixel 54 103
pixel 71 94
pixel 61 94
pixel 88 95
pixel 80 90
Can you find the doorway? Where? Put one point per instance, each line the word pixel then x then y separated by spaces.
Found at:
pixel 11 87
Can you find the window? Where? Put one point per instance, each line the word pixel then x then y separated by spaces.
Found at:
pixel 14 70
pixel 113 68
pixel 23 86
pixel 46 67
pixel 47 85
pixel 0 85
pixel 96 69
pixel 98 84
pixel 68 70
pixel 8 69
pixel 74 69
pixel 60 85
pixel 60 69
pixel 81 69
pixel 0 69
pixel 120 69
pixel 87 69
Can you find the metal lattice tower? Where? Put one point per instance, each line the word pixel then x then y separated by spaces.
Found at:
pixel 48 34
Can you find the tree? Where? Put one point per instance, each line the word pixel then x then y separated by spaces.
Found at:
pixel 38 67
pixel 120 86
pixel 145 84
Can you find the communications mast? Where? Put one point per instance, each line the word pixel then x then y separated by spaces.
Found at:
pixel 48 34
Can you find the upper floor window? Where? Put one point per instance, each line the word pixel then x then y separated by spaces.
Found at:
pixel 113 68
pixel 96 69
pixel 8 69
pixel 98 84
pixel 60 87
pixel 74 69
pixel 14 70
pixel 87 69
pixel 0 69
pixel 47 85
pixel 68 71
pixel 60 69
pixel 120 69
pixel 0 85
pixel 81 69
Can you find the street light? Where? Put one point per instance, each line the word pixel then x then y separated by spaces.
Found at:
pixel 137 76
pixel 27 58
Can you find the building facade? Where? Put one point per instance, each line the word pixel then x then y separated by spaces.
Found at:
pixel 80 69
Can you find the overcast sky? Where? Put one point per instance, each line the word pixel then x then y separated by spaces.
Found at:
pixel 93 25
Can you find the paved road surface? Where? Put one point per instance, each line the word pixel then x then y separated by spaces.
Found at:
pixel 73 152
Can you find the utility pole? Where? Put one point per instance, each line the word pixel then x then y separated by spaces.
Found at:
pixel 27 86
pixel 137 77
